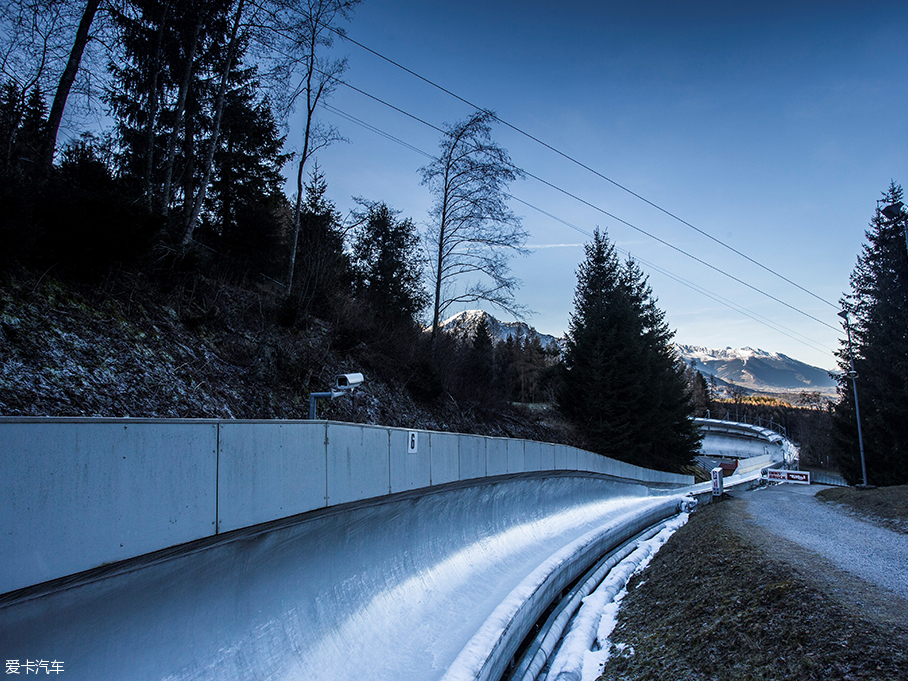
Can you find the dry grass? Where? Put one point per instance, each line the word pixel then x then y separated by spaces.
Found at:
pixel 713 605
pixel 887 506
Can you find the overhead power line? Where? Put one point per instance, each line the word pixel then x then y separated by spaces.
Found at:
pixel 775 326
pixel 758 318
pixel 608 214
pixel 580 164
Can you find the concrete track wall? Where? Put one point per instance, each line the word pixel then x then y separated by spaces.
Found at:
pixel 78 493
pixel 405 588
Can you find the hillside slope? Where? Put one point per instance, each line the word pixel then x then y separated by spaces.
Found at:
pixel 195 347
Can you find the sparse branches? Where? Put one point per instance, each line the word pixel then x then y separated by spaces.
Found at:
pixel 303 30
pixel 473 233
pixel 42 46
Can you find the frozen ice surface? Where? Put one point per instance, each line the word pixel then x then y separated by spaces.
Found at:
pixel 397 590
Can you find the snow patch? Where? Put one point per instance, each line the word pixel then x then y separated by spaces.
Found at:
pixel 586 646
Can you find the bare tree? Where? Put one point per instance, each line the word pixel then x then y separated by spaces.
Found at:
pixel 306 29
pixel 737 393
pixel 472 233
pixel 29 43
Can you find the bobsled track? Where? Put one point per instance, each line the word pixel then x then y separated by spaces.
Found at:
pixel 141 549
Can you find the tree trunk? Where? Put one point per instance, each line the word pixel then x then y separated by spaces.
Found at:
pixel 437 308
pixel 189 156
pixel 219 112
pixel 297 213
pixel 443 223
pixel 66 82
pixel 153 97
pixel 185 83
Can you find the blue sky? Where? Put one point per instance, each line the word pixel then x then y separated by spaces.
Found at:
pixel 773 127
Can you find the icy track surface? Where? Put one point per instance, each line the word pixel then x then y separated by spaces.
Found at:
pixel 393 591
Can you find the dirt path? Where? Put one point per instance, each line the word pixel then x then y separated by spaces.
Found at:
pixel 860 564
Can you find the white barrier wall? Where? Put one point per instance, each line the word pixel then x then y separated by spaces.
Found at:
pixel 78 493
pixel 410 466
pixel 268 470
pixel 749 465
pixel 721 446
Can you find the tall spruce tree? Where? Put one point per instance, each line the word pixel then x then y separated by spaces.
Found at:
pixel 621 383
pixel 878 310
pixel 246 208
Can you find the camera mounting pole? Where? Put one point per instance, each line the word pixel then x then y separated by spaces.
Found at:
pixel 343 384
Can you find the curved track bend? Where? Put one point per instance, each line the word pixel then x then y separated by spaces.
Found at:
pixel 444 584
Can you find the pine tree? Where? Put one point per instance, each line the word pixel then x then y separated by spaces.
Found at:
pixel 243 216
pixel 481 364
pixel 22 131
pixel 165 95
pixel 23 123
pixel 878 310
pixel 621 383
pixel 324 272
pixel 387 263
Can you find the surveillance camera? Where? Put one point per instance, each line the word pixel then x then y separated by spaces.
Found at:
pixel 348 381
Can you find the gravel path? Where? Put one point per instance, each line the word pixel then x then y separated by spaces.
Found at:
pixel 863 564
pixel 867 551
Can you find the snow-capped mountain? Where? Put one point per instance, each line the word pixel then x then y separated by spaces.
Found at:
pixel 754 370
pixel 463 325
pixel 758 370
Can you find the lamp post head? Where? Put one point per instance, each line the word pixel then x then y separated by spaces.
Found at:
pixel 893 210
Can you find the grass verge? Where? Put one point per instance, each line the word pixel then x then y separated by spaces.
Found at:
pixel 887 506
pixel 713 605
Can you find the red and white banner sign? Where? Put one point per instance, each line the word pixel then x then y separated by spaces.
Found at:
pixel 775 475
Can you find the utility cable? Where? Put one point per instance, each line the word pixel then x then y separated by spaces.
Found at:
pixel 611 215
pixel 760 319
pixel 772 325
pixel 604 212
pixel 579 163
pixel 678 249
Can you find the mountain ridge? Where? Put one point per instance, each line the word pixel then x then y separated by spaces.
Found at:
pixel 463 325
pixel 758 370
pixel 753 369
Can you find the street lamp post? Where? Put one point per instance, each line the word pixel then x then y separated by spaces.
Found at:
pixel 894 211
pixel 853 375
